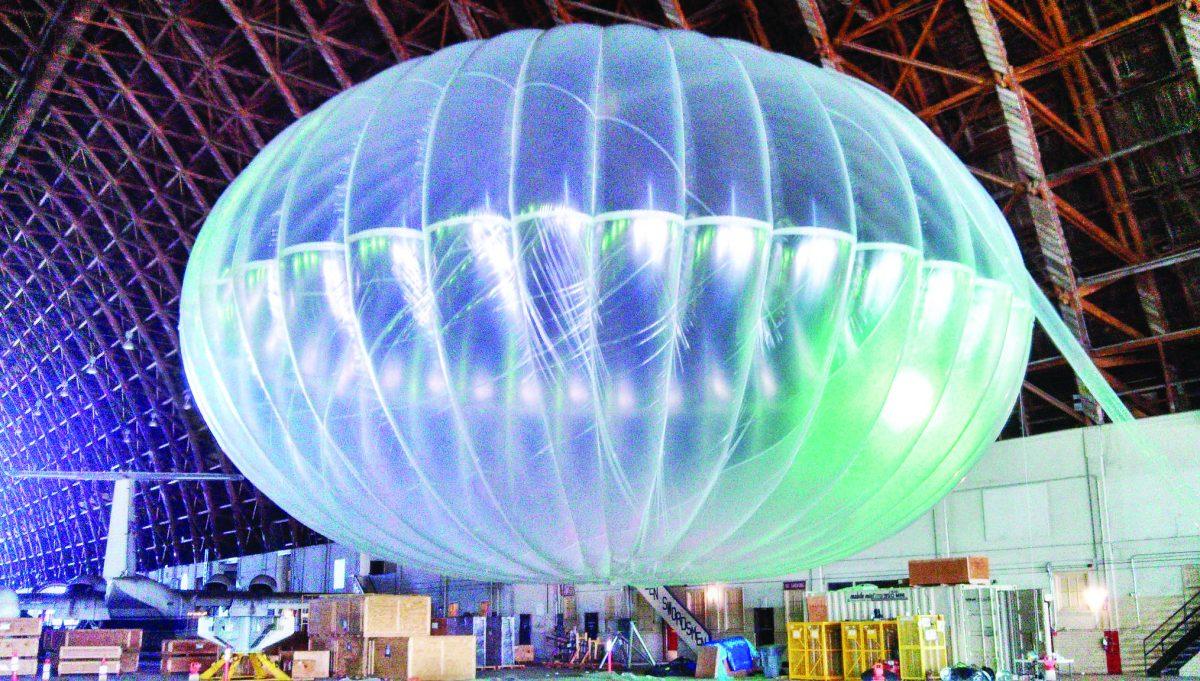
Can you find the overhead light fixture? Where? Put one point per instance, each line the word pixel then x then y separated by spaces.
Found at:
pixel 1094 597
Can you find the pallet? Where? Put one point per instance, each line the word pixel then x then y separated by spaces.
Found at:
pixel 494 667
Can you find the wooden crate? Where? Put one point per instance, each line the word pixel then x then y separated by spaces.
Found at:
pixel 864 644
pixel 189 646
pixel 370 616
pixel 936 571
pixel 88 659
pixel 428 658
pixel 20 639
pixel 128 640
pixel 20 627
pixel 818 608
pixel 346 654
pixel 26 666
pixel 182 664
pixel 322 617
pixel 89 667
pixel 110 653
pixel 20 647
pixel 815 651
pixel 523 654
pixel 306 664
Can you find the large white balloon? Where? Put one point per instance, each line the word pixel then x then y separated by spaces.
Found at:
pixel 10 604
pixel 605 305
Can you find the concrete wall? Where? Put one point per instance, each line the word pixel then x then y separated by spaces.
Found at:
pixel 1122 504
pixel 1125 499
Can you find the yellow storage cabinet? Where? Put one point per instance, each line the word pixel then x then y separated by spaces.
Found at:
pixel 922 646
pixel 864 644
pixel 815 651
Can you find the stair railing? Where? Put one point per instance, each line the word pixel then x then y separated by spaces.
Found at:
pixel 1156 644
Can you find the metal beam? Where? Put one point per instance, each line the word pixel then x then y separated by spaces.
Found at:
pixel 1123 347
pixel 268 62
pixel 136 476
pixel 25 99
pixel 1095 282
pixel 1040 199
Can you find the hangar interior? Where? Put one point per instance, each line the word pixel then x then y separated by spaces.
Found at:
pixel 129 501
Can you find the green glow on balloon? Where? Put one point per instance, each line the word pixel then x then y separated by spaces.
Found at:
pixel 606 305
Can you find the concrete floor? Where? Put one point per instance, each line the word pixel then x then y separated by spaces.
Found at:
pixel 535 673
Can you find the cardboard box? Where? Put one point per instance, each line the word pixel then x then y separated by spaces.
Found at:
pixel 818 608
pixel 370 616
pixel 937 571
pixel 523 654
pixel 308 664
pixel 428 658
pixel 706 663
pixel 20 627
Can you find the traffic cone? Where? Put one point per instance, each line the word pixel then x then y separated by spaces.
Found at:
pixel 103 674
pixel 194 671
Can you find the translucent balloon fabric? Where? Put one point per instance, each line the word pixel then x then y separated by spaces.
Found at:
pixel 606 305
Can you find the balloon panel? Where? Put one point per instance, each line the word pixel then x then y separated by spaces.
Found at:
pixel 593 305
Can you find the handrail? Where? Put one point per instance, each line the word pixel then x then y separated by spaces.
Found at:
pixel 1189 611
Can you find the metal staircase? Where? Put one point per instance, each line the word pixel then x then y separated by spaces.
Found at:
pixel 690 630
pixel 1175 641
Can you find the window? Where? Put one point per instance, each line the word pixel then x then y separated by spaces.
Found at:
pixel 339 574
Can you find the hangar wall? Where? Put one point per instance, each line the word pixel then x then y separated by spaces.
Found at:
pixel 1046 510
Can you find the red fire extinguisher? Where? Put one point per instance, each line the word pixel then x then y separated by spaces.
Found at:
pixel 1111 642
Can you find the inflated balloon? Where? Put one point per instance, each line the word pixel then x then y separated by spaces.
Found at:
pixel 605 305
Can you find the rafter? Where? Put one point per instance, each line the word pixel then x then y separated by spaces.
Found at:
pixel 268 62
pixel 25 100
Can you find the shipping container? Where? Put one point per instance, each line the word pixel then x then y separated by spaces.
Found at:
pixel 986 625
